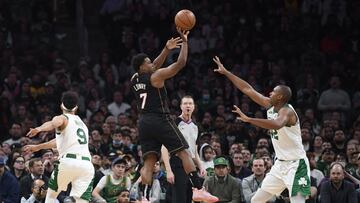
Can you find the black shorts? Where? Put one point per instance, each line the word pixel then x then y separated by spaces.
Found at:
pixel 156 130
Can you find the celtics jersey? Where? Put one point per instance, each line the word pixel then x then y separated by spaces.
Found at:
pixel 287 140
pixel 73 138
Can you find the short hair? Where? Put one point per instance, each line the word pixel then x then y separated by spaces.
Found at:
pixel 70 99
pixel 336 164
pixel 186 96
pixel 236 152
pixel 32 161
pixel 138 60
pixel 286 92
pixel 36 180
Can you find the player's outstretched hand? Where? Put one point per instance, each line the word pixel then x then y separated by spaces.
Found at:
pixel 32 132
pixel 241 116
pixel 221 69
pixel 183 34
pixel 30 148
pixel 173 43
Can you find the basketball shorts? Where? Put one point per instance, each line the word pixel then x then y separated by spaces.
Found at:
pixel 156 130
pixel 293 175
pixel 78 172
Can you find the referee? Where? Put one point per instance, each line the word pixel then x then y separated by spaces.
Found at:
pixel 181 188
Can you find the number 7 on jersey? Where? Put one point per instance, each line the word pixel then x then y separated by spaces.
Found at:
pixel 143 97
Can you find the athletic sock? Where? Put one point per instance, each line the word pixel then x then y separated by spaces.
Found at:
pixel 195 180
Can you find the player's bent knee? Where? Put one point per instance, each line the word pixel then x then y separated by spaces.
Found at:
pixel 261 196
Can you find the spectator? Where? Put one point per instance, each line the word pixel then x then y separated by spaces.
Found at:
pixel 38 195
pixel 306 137
pixel 9 186
pixel 123 197
pixel 246 157
pixel 239 170
pixel 207 155
pixel 109 186
pixel 222 184
pixel 339 141
pixel 337 189
pixel 252 183
pixel 334 99
pixel 47 158
pixel 145 193
pixel 118 105
pixel 18 167
pixel 328 156
pixel 36 169
pixel 15 133
pixel 315 173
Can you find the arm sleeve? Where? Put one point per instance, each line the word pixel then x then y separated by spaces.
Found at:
pixel 102 183
pixel 248 194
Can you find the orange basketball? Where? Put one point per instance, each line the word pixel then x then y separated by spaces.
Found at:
pixel 185 19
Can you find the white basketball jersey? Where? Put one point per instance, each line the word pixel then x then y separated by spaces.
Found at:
pixel 74 138
pixel 287 140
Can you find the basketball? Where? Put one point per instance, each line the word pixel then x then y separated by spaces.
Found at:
pixel 185 19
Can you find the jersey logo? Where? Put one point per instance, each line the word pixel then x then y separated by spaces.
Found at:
pixel 302 181
pixel 274 134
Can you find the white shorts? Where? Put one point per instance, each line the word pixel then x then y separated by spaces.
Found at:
pixel 78 172
pixel 293 175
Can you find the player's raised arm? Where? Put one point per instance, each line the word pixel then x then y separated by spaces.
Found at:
pixel 242 85
pixel 170 44
pixel 160 75
pixel 56 122
pixel 286 117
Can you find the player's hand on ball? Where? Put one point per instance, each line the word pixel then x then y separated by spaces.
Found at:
pixel 183 34
pixel 30 149
pixel 221 69
pixel 32 132
pixel 242 116
pixel 173 43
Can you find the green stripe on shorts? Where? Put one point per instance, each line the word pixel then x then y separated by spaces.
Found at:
pixel 53 184
pixel 301 182
pixel 87 194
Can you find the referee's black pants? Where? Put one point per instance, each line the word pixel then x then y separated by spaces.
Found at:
pixel 181 190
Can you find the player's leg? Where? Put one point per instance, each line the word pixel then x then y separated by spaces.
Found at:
pixel 58 181
pixel 176 144
pixel 82 184
pixel 261 196
pixel 51 196
pixel 298 179
pixel 149 132
pixel 148 169
pixel 297 199
pixel 271 185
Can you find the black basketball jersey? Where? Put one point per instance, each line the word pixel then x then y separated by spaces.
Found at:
pixel 149 99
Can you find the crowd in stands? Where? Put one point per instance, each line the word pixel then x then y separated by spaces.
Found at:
pixel 310 45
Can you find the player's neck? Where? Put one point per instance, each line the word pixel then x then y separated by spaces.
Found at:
pixel 69 112
pixel 278 106
pixel 186 117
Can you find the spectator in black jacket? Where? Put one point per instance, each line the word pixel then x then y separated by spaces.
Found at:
pixel 9 186
pixel 36 168
pixel 337 189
